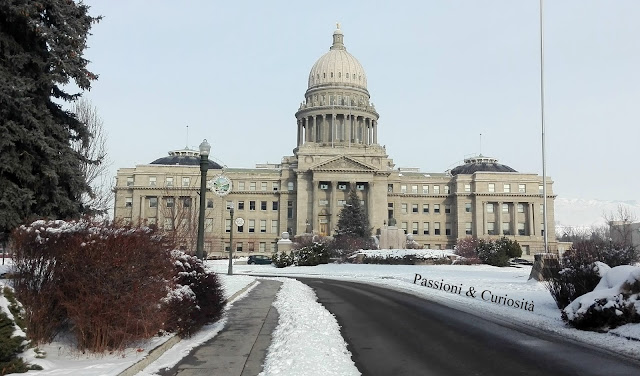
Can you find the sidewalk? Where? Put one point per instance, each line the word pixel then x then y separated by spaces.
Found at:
pixel 241 347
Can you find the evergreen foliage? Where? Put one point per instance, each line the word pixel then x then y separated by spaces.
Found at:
pixel 352 220
pixel 283 259
pixel 312 255
pixel 498 252
pixel 41 50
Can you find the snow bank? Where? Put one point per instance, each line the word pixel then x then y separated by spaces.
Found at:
pixel 307 340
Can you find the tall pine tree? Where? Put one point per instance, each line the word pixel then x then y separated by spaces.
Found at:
pixel 41 50
pixel 352 220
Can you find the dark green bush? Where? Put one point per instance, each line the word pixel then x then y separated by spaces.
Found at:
pixel 282 259
pixel 312 255
pixel 197 298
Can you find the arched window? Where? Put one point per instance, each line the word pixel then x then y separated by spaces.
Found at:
pixel 347 75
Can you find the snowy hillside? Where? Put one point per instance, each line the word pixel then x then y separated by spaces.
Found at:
pixel 576 212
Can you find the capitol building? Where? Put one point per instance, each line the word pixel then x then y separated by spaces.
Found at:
pixel 337 150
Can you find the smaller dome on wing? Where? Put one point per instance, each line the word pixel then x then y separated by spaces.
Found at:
pixel 184 157
pixel 480 163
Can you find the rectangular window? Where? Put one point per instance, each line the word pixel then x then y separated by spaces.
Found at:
pixel 324 186
pixel 390 188
pixel 240 205
pixel 153 202
pixel 520 208
pixel 252 225
pixel 251 247
pixel 414 189
pixel 130 181
pixel 342 186
pixel 209 203
pixel 467 207
pixel 152 221
pixel 208 225
pixel 186 181
pixel 505 208
pixel 414 208
pixel 404 227
pixel 540 189
pixel 290 186
pixel 240 228
pixel 360 186
pixel 436 228
pixel 522 188
pixel 227 225
pixel 436 208
pixel 467 228
pixel 491 228
pixel 289 209
pixel 263 247
pixel 447 228
pixel 403 208
pixel 252 205
pixel 169 202
pixel 447 189
pixel 506 188
pixel 168 181
pixel 152 181
pixel 467 187
pixel 168 224
pixel 128 202
pixel 489 208
pixel 274 226
pixel 229 205
pixel 239 247
pixel 252 186
pixel 341 203
pixel 275 186
pixel 521 231
pixel 447 208
pixel 425 228
pixel 226 247
pixel 492 187
pixel 542 209
pixel 186 202
pixel 263 205
pixel 436 189
pixel 274 205
pixel 425 208
pixel 414 228
pixel 263 225
pixel 263 186
pixel 506 228
pixel 323 202
pixel 241 186
pixel 403 189
pixel 425 189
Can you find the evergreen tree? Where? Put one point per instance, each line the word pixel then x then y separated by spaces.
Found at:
pixel 352 220
pixel 41 51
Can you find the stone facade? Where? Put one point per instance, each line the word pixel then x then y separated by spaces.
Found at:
pixel 337 150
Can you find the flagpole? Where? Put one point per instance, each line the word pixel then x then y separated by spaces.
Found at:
pixel 544 162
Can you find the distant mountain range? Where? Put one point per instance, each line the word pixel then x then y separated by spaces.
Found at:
pixel 577 212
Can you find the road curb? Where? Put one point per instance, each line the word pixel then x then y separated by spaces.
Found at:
pixel 157 351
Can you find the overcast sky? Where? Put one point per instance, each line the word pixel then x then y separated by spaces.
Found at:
pixel 440 73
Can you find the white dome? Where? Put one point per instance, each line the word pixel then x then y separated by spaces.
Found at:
pixel 337 67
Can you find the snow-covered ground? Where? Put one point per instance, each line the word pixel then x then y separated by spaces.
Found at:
pixel 510 283
pixel 296 304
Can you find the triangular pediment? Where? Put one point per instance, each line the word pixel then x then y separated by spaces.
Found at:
pixel 342 163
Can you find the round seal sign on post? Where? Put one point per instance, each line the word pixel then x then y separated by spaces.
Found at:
pixel 220 185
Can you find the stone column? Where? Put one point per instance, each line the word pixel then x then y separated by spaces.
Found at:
pixel 484 218
pixel 299 132
pixel 514 218
pixel 375 132
pixel 333 207
pixel 532 219
pixel 499 216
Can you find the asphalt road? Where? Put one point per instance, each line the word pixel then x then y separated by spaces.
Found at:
pixel 391 333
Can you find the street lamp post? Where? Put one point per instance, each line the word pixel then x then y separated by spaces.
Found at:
pixel 230 271
pixel 204 166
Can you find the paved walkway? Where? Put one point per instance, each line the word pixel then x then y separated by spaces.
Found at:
pixel 241 347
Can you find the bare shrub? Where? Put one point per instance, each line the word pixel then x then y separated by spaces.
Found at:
pixel 467 249
pixel 102 282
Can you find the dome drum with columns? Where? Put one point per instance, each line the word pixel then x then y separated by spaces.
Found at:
pixel 337 150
